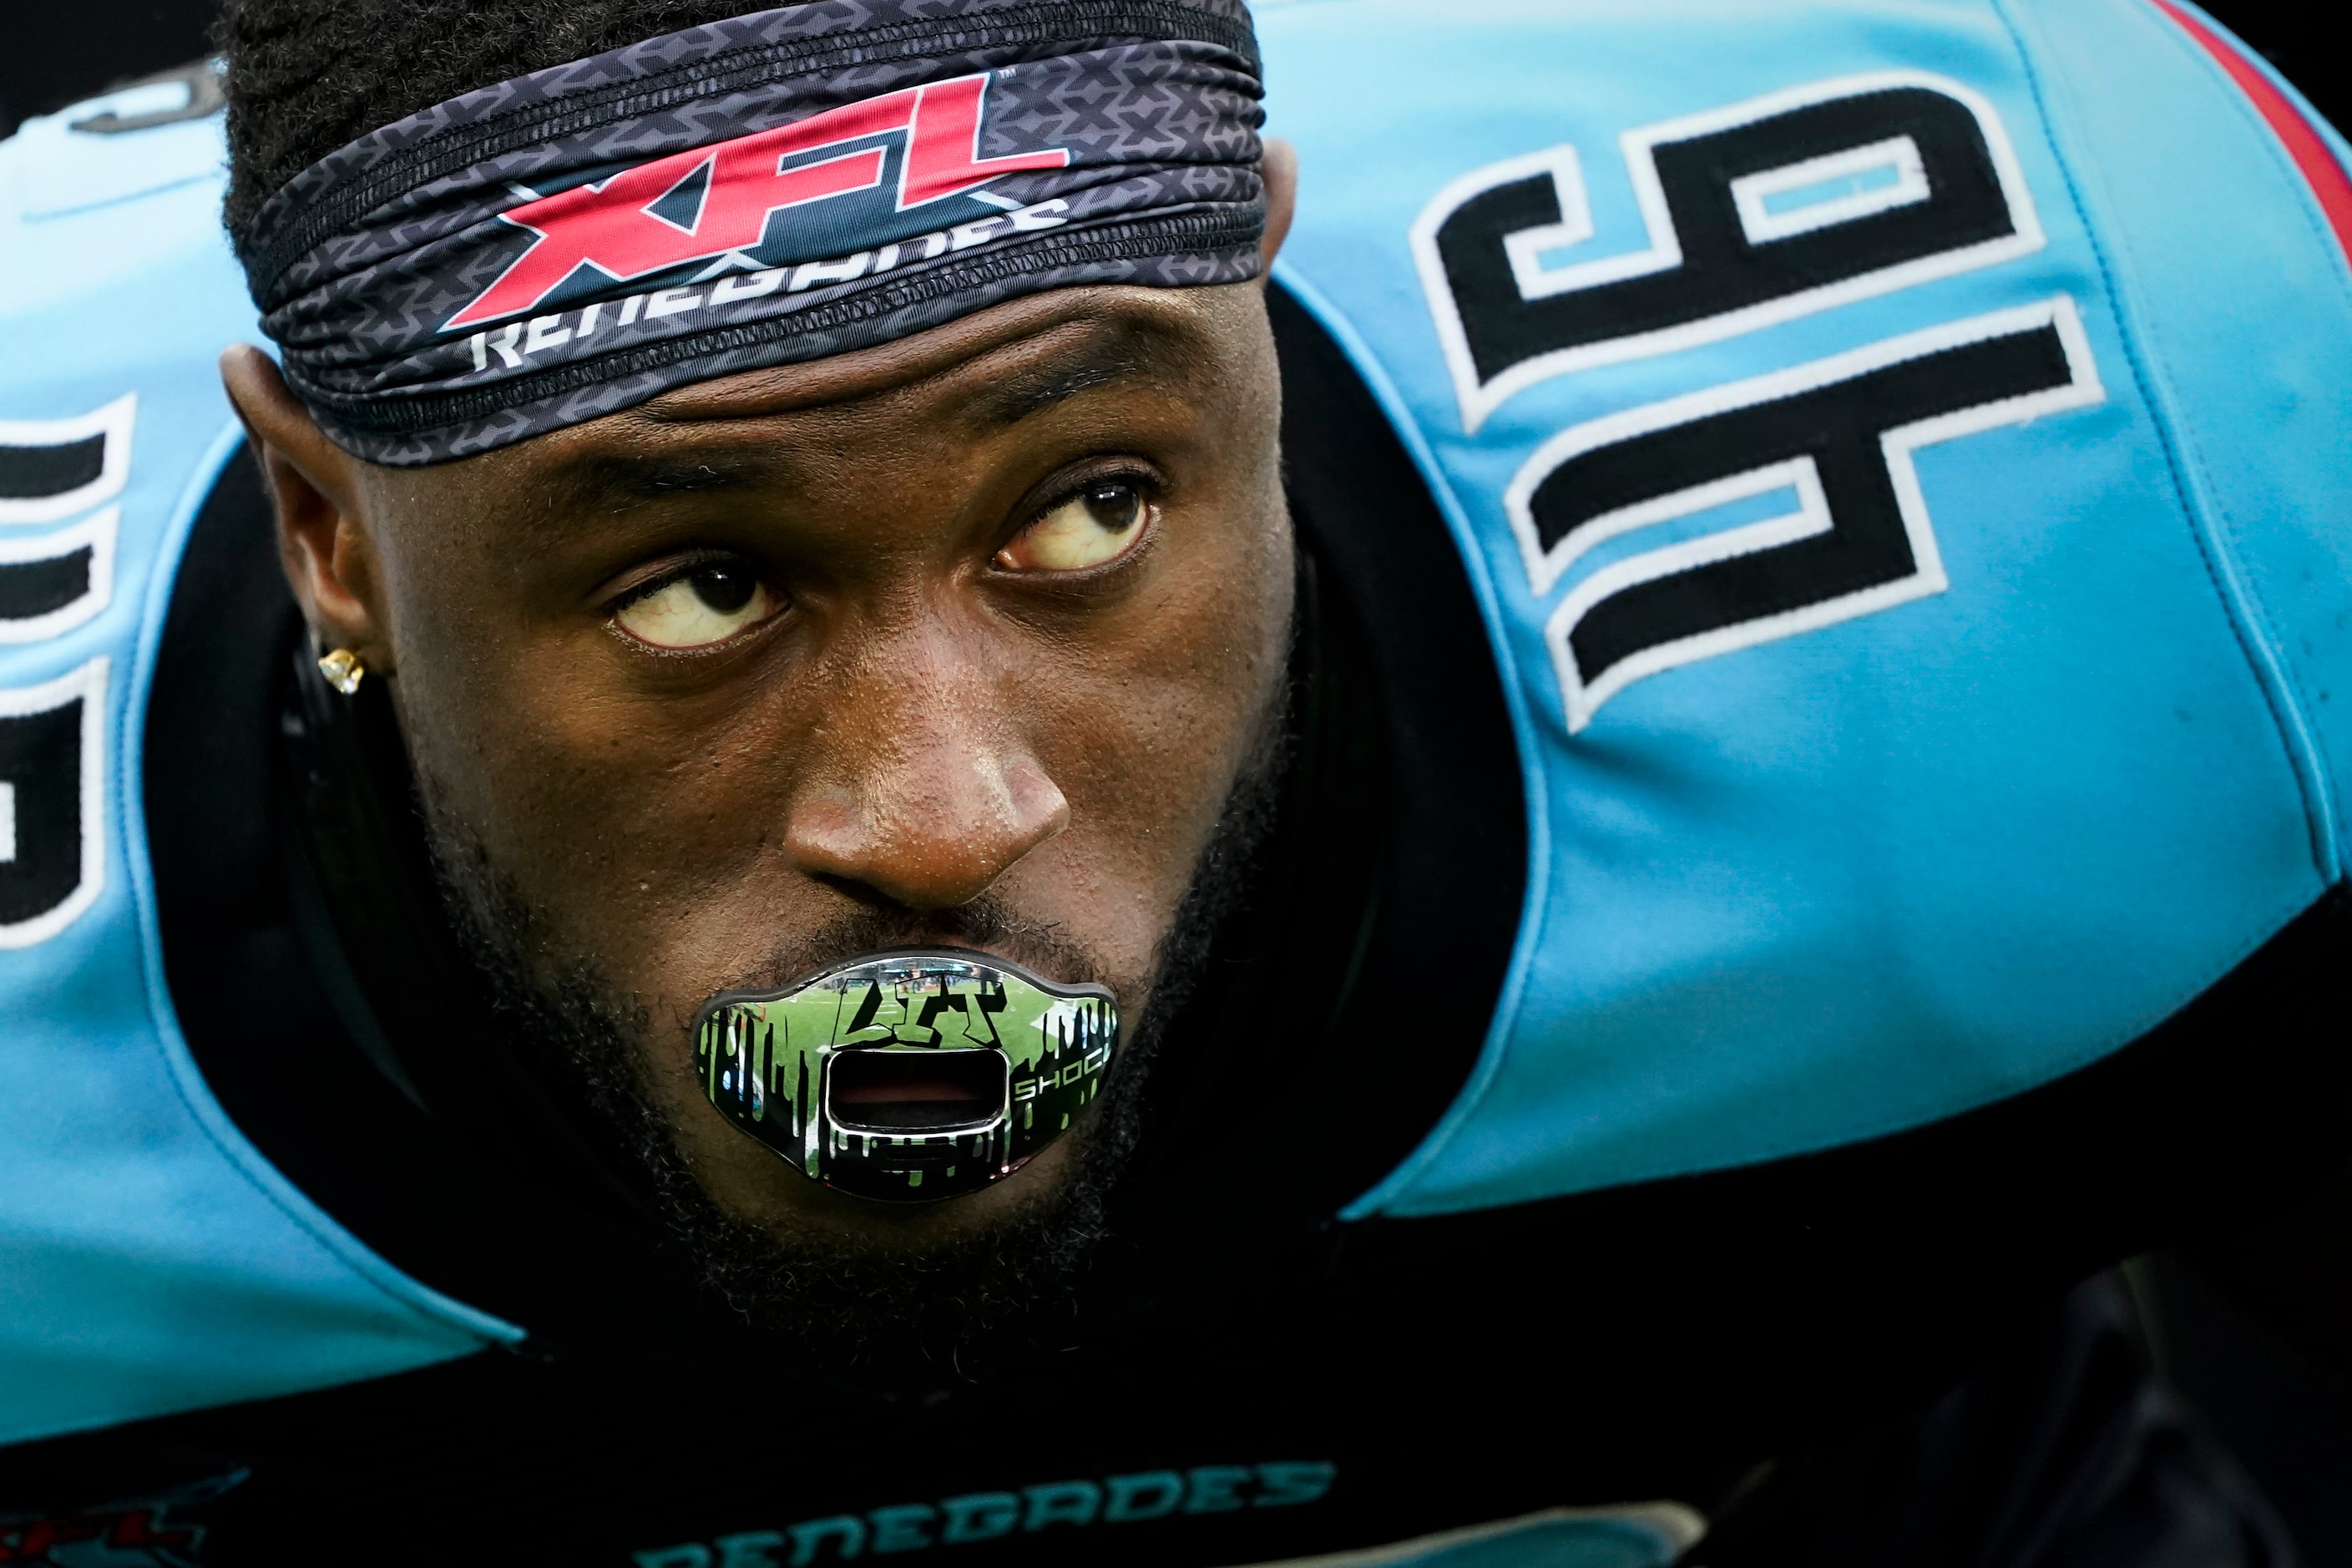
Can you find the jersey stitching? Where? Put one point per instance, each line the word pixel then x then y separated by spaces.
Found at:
pixel 2217 49
pixel 2328 834
pixel 2248 626
pixel 129 755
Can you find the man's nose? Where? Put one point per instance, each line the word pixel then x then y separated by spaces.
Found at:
pixel 929 795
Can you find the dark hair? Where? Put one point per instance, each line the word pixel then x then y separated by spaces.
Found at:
pixel 305 77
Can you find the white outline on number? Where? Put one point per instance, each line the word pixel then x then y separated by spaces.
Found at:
pixel 1762 226
pixel 114 421
pixel 88 683
pixel 1896 445
pixel 1479 399
pixel 1526 249
pixel 95 534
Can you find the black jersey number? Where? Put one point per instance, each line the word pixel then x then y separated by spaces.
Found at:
pixel 1757 213
pixel 55 581
pixel 53 735
pixel 52 469
pixel 1834 437
pixel 52 776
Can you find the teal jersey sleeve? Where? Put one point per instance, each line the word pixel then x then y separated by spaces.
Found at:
pixel 1900 447
pixel 150 1260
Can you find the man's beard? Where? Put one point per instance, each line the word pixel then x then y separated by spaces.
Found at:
pixel 992 1294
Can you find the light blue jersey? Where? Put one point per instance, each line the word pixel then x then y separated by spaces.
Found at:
pixel 1896 445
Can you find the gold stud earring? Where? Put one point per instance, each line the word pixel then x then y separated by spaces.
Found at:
pixel 342 669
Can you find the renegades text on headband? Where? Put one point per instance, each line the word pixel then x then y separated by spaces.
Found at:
pixel 774 188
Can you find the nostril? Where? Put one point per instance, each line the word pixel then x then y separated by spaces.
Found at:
pixel 902 1092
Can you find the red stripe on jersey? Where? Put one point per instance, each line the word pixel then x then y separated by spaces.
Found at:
pixel 2304 143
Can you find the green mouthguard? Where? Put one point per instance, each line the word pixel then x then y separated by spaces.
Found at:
pixel 908 1076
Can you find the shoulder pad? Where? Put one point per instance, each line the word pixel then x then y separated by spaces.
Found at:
pixel 154 1261
pixel 1903 471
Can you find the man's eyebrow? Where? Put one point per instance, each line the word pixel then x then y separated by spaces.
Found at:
pixel 1018 396
pixel 615 483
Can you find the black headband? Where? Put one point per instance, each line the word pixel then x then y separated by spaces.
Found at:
pixel 773 188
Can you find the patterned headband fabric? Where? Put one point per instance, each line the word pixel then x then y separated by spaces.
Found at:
pixel 770 189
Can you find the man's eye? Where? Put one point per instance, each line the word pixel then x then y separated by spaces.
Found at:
pixel 1098 524
pixel 703 606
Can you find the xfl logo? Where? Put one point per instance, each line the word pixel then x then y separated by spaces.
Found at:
pixel 707 202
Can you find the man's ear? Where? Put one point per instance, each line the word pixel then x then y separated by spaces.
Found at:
pixel 313 487
pixel 1278 167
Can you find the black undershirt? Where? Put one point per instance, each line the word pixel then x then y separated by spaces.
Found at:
pixel 1658 1341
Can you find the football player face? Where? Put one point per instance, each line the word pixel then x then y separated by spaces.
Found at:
pixel 965 640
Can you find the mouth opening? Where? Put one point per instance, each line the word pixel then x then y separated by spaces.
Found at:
pixel 916 1091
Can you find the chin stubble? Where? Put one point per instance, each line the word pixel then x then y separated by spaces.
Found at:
pixel 987 1295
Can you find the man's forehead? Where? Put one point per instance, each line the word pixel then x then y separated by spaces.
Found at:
pixel 1001 363
pixel 966 381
